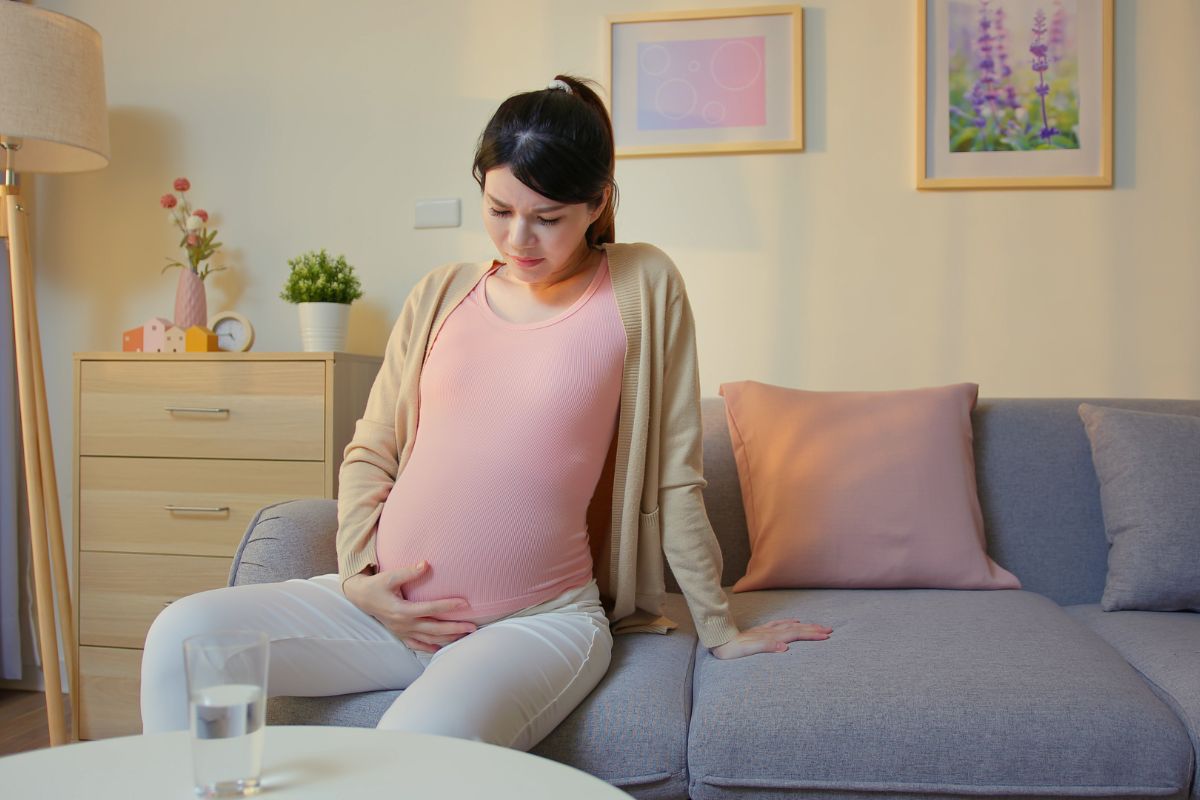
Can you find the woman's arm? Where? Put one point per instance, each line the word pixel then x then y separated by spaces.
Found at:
pixel 688 540
pixel 371 460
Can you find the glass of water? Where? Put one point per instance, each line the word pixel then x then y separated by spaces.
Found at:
pixel 227 692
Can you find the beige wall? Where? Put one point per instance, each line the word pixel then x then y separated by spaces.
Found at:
pixel 306 124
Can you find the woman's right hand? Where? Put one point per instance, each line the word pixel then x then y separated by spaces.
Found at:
pixel 415 624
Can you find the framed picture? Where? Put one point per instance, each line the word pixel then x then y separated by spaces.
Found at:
pixel 1014 93
pixel 711 81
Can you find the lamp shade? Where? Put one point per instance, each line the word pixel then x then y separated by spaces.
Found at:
pixel 52 90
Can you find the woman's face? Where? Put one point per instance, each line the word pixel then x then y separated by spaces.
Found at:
pixel 540 240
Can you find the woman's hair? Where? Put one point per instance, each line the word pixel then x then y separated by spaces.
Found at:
pixel 559 142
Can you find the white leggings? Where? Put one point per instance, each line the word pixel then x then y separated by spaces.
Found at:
pixel 509 683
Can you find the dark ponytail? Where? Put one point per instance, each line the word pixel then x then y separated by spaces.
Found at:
pixel 559 143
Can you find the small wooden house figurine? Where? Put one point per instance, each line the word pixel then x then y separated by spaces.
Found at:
pixel 131 340
pixel 200 339
pixel 154 335
pixel 175 340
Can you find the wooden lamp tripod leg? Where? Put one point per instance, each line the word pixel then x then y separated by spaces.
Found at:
pixel 33 417
pixel 54 526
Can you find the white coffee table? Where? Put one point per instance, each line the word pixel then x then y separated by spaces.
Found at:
pixel 302 762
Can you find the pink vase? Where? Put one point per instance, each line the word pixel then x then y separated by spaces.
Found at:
pixel 191 306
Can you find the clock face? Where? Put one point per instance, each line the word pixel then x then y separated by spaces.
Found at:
pixel 234 332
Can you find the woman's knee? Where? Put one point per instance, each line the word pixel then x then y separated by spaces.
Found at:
pixel 163 697
pixel 190 616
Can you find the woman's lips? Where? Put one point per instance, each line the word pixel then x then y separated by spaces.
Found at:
pixel 527 262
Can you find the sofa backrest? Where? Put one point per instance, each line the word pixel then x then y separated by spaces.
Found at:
pixel 1037 488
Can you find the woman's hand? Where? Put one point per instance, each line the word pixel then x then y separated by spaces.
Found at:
pixel 772 637
pixel 415 624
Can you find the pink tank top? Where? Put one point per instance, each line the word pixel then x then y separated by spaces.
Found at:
pixel 514 428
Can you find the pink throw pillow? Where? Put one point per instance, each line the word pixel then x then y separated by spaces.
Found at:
pixel 860 490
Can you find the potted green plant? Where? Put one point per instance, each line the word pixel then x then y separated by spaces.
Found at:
pixel 323 289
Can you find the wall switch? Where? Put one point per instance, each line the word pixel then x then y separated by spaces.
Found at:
pixel 438 213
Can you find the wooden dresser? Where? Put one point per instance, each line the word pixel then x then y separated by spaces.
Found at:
pixel 174 453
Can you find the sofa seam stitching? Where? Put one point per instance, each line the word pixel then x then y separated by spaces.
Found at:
pixel 1174 707
pixel 237 558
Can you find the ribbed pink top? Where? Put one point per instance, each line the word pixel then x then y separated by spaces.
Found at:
pixel 514 428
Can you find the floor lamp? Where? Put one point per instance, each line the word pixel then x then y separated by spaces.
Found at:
pixel 53 118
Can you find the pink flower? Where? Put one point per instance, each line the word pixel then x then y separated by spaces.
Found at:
pixel 193 240
pixel 168 201
pixel 182 184
pixel 202 214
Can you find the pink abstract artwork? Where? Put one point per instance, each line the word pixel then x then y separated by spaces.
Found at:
pixel 705 83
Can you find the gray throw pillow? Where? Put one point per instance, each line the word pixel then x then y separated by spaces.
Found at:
pixel 1149 470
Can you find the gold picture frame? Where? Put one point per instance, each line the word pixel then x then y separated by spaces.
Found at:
pixel 711 81
pixel 1026 120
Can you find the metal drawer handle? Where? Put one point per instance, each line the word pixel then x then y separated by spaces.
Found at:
pixel 192 410
pixel 200 509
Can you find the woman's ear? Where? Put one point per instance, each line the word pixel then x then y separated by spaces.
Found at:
pixel 603 204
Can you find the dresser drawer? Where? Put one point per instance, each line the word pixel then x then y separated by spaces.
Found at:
pixel 121 593
pixel 182 506
pixel 205 409
pixel 109 692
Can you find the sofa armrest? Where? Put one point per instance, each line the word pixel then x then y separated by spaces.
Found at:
pixel 294 539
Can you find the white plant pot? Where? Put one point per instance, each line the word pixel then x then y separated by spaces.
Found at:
pixel 323 326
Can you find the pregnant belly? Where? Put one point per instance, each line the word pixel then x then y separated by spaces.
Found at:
pixel 499 567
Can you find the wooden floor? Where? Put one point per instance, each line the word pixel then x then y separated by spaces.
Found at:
pixel 23 723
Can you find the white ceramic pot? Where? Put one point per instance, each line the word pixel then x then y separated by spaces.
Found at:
pixel 323 326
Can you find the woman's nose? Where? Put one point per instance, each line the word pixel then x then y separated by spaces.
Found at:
pixel 520 233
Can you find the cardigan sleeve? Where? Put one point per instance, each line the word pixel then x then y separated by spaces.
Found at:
pixel 688 540
pixel 371 460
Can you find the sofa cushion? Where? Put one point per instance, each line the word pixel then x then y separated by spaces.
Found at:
pixel 630 731
pixel 1165 648
pixel 930 692
pixel 860 489
pixel 1149 467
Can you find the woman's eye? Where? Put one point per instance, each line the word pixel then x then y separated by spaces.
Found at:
pixel 503 212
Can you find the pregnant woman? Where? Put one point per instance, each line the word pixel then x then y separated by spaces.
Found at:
pixel 529 451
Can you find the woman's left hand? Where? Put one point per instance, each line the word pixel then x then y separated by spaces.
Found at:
pixel 771 637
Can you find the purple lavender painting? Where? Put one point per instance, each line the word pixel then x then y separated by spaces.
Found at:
pixel 1014 75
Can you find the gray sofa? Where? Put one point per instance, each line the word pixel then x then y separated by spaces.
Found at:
pixel 920 693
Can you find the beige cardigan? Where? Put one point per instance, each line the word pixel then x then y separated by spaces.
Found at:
pixel 652 482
